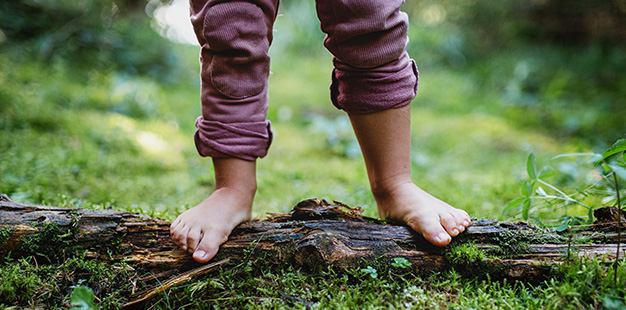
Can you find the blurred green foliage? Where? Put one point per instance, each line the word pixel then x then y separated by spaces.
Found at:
pixel 572 88
pixel 89 35
pixel 554 65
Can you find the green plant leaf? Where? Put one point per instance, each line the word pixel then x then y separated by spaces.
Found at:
pixel 82 299
pixel 513 204
pixel 526 209
pixel 562 227
pixel 401 262
pixel 531 167
pixel 371 271
pixel 595 159
pixel 527 188
pixel 612 303
pixel 618 146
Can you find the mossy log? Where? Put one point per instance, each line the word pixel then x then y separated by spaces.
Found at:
pixel 315 234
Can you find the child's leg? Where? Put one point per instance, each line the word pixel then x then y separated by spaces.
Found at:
pixel 374 81
pixel 386 143
pixel 203 228
pixel 233 130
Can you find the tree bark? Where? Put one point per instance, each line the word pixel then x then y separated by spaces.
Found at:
pixel 315 234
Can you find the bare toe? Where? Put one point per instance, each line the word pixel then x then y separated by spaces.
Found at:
pixel 174 229
pixel 175 223
pixel 440 238
pixel 180 236
pixel 193 238
pixel 432 231
pixel 209 245
pixel 449 224
pixel 462 220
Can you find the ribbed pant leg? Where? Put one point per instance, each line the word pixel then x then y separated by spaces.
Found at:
pixel 368 38
pixel 234 37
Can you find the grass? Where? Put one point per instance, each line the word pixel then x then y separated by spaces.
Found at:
pixel 97 138
pixel 252 285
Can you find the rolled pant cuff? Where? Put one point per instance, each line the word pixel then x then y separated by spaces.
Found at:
pixel 359 91
pixel 247 141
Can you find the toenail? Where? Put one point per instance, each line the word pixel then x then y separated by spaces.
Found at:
pixel 455 231
pixel 184 247
pixel 200 254
pixel 442 237
pixel 466 223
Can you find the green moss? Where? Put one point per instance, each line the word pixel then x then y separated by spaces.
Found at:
pixel 26 284
pixel 468 259
pixel 465 254
pixel 49 242
pixel 260 284
pixel 515 242
pixel 5 234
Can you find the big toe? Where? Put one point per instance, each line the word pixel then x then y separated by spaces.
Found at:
pixel 208 246
pixel 433 232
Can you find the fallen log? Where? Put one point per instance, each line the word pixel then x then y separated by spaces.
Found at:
pixel 315 234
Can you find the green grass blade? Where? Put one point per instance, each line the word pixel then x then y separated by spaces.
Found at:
pixel 513 204
pixel 526 209
pixel 574 155
pixel 531 167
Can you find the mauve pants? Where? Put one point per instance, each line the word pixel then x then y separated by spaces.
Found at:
pixel 372 70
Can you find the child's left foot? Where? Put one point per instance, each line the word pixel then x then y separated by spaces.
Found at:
pixel 434 219
pixel 385 139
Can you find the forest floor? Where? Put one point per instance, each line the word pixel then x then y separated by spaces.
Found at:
pixel 102 139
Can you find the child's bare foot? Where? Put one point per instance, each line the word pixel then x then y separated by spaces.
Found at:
pixel 202 229
pixel 385 139
pixel 434 219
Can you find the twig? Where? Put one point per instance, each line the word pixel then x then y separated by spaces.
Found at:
pixel 183 278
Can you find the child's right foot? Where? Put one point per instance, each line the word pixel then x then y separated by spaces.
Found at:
pixel 202 229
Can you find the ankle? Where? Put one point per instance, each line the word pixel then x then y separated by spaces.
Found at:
pixel 235 177
pixel 242 190
pixel 385 189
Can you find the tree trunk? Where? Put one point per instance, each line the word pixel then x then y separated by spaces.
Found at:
pixel 315 234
